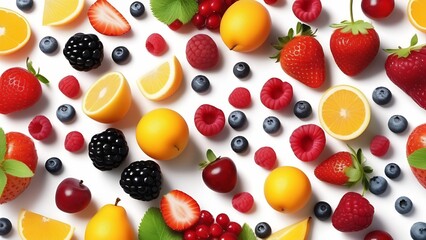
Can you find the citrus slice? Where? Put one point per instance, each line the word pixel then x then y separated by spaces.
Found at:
pixel 416 10
pixel 299 231
pixel 163 81
pixel 33 226
pixel 344 112
pixel 108 99
pixel 15 31
pixel 61 12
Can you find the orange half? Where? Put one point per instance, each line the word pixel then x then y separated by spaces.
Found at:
pixel 416 11
pixel 15 31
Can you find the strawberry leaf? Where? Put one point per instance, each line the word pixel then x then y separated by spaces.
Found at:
pixel 16 168
pixel 246 233
pixel 354 174
pixel 153 226
pixel 3 181
pixel 417 159
pixel 2 145
pixel 30 67
pixel 167 11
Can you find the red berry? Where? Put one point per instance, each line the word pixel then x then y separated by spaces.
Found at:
pixel 234 228
pixel 307 142
pixel 204 9
pixel 155 44
pixel 243 202
pixel 270 2
pixel 40 127
pixel 378 235
pixel 223 220
pixel 228 3
pixel 69 86
pixel 228 236
pixel 199 21
pixel 213 21
pixel 307 10
pixel 202 231
pixel 216 230
pixel 206 218
pixel 379 145
pixel 202 52
pixel 276 94
pixel 175 25
pixel 266 158
pixel 209 120
pixel 240 98
pixel 217 6
pixel 190 234
pixel 74 141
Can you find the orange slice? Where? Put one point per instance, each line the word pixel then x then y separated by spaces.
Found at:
pixel 15 31
pixel 61 12
pixel 344 112
pixel 108 99
pixel 163 81
pixel 33 226
pixel 416 10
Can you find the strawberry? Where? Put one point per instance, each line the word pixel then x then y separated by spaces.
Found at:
pixel 106 19
pixel 18 162
pixel 301 56
pixel 20 88
pixel 180 211
pixel 416 153
pixel 406 68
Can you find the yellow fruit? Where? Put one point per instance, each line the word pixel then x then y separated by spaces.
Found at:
pixel 344 112
pixel 163 81
pixel 297 231
pixel 61 12
pixel 287 189
pixel 162 134
pixel 15 31
pixel 245 26
pixel 108 99
pixel 416 14
pixel 33 226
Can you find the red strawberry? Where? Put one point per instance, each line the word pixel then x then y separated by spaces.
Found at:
pixel 276 94
pixel 209 120
pixel 106 19
pixel 240 98
pixel 379 145
pixel 406 68
pixel 416 153
pixel 202 52
pixel 180 211
pixel 301 56
pixel 69 86
pixel 353 213
pixel 18 162
pixel 307 10
pixel 266 158
pixel 20 88
pixel 307 142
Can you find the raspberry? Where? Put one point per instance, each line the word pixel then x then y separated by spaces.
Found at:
pixel 307 142
pixel 379 145
pixel 276 94
pixel 74 141
pixel 240 98
pixel 155 44
pixel 40 127
pixel 243 202
pixel 202 52
pixel 266 158
pixel 209 120
pixel 69 86
pixel 307 10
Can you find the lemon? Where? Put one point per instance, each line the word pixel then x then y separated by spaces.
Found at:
pixel 15 31
pixel 163 81
pixel 108 99
pixel 344 112
pixel 299 231
pixel 61 12
pixel 416 10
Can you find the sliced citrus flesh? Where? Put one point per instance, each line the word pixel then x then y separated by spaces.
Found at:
pixel 33 226
pixel 416 11
pixel 163 81
pixel 15 31
pixel 108 99
pixel 296 231
pixel 344 112
pixel 61 12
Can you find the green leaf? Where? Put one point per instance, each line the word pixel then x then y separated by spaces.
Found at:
pixel 153 226
pixel 167 11
pixel 417 159
pixel 354 174
pixel 30 66
pixel 414 40
pixel 2 144
pixel 42 78
pixel 246 233
pixel 368 169
pixel 16 168
pixel 3 181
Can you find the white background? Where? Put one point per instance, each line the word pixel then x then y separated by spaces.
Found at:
pixel 183 173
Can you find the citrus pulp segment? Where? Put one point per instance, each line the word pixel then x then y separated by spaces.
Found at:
pixel 416 14
pixel 15 31
pixel 61 12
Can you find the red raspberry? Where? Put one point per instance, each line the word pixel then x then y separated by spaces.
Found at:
pixel 155 44
pixel 209 120
pixel 379 145
pixel 40 127
pixel 74 141
pixel 266 158
pixel 276 94
pixel 240 98
pixel 69 86
pixel 202 52
pixel 243 202
pixel 307 10
pixel 307 142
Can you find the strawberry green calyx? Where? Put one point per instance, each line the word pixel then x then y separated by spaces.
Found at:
pixel 417 159
pixel 355 27
pixel 211 157
pixel 358 172
pixel 37 74
pixel 167 11
pixel 405 52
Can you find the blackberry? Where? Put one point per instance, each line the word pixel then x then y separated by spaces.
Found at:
pixel 142 180
pixel 84 51
pixel 108 149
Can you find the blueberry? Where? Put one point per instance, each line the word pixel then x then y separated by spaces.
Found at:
pixel 418 231
pixel 120 54
pixel 382 95
pixel 302 109
pixel 237 119
pixel 24 5
pixel 48 44
pixel 397 123
pixel 403 205
pixel 65 113
pixel 200 83
pixel 137 9
pixel 322 210
pixel 262 230
pixel 392 170
pixel 378 185
pixel 271 124
pixel 239 144
pixel 241 70
pixel 53 165
pixel 5 226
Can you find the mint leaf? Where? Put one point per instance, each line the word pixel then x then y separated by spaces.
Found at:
pixel 167 11
pixel 153 226
pixel 246 233
pixel 417 159
pixel 16 168
pixel 3 181
pixel 2 145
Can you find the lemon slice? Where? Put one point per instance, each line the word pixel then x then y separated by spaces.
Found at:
pixel 416 10
pixel 296 231
pixel 108 99
pixel 15 31
pixel 344 112
pixel 61 12
pixel 161 82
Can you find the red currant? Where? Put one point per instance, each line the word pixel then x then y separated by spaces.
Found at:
pixel 228 236
pixel 223 220
pixel 202 231
pixel 190 235
pixel 270 2
pixel 175 25
pixel 206 218
pixel 204 9
pixel 217 6
pixel 234 228
pixel 198 21
pixel 229 2
pixel 213 21
pixel 216 230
